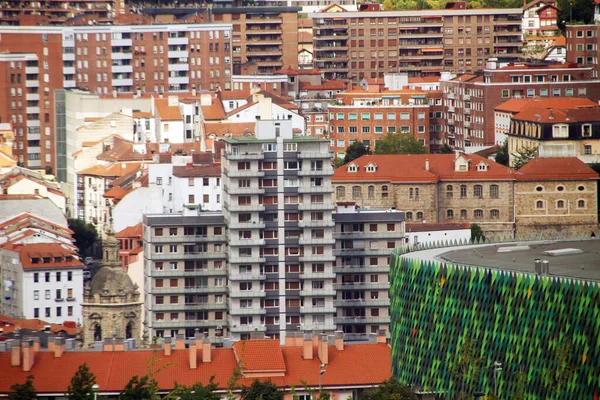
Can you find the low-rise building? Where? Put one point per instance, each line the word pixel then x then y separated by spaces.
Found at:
pixel 423 233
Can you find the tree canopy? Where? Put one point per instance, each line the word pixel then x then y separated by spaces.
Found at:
pixel 138 389
pixel 477 233
pixel 23 391
pixel 502 154
pixel 389 390
pixel 197 391
pixel 440 4
pixel 356 150
pixel 85 234
pixel 523 156
pixel 81 384
pixel 262 391
pixel 402 143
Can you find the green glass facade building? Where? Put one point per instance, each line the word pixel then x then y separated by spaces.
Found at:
pixel 544 329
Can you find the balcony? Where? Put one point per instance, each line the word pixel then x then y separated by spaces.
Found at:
pixel 32 70
pixel 32 83
pixel 361 303
pixel 122 82
pixel 179 273
pixel 237 190
pixel 32 97
pixel 264 42
pixel 315 189
pixel 121 42
pixel 367 235
pixel 246 260
pixel 68 70
pixel 246 242
pixel 187 307
pixel 178 41
pixel 317 275
pixel 33 110
pixel 247 311
pixel 361 269
pixel 31 123
pixel 315 224
pixel 307 155
pixel 122 56
pixel 361 320
pixel 317 310
pixel 122 69
pixel 69 84
pixel 178 80
pixel 363 252
pixel 34 163
pixel 313 206
pixel 245 156
pixel 317 258
pixel 188 256
pixel 232 173
pixel 179 67
pixel 263 31
pixel 247 225
pixel 264 53
pixel 244 208
pixel 361 286
pixel 188 290
pixel 247 328
pixel 316 172
pixel 34 149
pixel 242 294
pixel 178 54
pixel 315 241
pixel 264 20
pixel 332 37
pixel 236 276
pixel 33 136
pixel 317 292
pixel 269 63
pixel 68 57
pixel 188 239
pixel 195 323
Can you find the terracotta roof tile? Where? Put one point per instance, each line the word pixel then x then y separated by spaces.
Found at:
pixel 556 169
pixel 116 169
pixel 213 112
pixel 190 171
pixel 166 112
pixel 325 85
pixel 115 193
pixel 134 231
pixel 10 324
pixel 517 105
pixel 436 227
pixel 259 355
pixel 221 128
pixel 31 252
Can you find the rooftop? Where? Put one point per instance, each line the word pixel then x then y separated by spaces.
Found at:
pixel 584 265
pixel 564 103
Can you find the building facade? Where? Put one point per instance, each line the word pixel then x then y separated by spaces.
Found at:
pixel 185 274
pixel 278 209
pixel 582 45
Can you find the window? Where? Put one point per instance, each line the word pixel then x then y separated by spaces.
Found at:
pixel 463 214
pixel 36 313
pixel 580 203
pixel 494 191
pixel 478 213
pixel 365 116
pixel 463 191
pixel 419 215
pixel 494 214
pixel 586 130
pixel 478 191
pixel 505 93
pixel 371 192
pixel 47 276
pixel 36 277
pixel 36 294
pixel 409 215
pixel 356 192
pixel 449 192
pixel 560 204
pixel 450 214
pixel 69 276
pixel 539 204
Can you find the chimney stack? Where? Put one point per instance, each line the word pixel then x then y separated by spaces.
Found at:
pixel 28 357
pixel 206 349
pixel 381 338
pixel 193 353
pixel 15 359
pixel 427 164
pixel 290 339
pixel 59 346
pixel 179 341
pixel 167 346
pixel 36 343
pixel 339 340
pixel 315 339
pixel 323 349
pixel 307 347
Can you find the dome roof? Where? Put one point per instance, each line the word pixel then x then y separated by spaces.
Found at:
pixel 115 280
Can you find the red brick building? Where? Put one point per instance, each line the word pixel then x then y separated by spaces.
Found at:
pixel 582 46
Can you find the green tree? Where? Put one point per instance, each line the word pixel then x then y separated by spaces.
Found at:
pixel 85 234
pixel 467 369
pixel 197 391
pixel 81 384
pixel 403 143
pixel 137 389
pixel 356 150
pixel 502 154
pixel 390 389
pixel 446 149
pixel 262 391
pixel 338 162
pixel 523 156
pixel 23 391
pixel 476 233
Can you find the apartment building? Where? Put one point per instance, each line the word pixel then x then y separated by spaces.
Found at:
pixel 364 239
pixel 582 46
pixel 264 36
pixel 15 12
pixel 353 45
pixel 278 208
pixel 470 99
pixel 185 274
pixel 104 60
pixel 367 116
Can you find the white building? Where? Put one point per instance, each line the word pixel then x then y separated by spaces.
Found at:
pixel 264 108
pixel 430 233
pixel 41 280
pixel 169 120
pixel 21 181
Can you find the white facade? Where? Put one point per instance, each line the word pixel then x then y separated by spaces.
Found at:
pixel 501 126
pixel 131 208
pixel 29 186
pixel 435 234
pixel 267 110
pixel 556 54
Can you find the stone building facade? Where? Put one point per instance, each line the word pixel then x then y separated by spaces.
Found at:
pixel 111 306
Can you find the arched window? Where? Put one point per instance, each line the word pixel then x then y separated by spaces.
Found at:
pixel 419 215
pixel 560 204
pixel 539 204
pixel 129 330
pixel 494 191
pixel 384 191
pixel 97 333
pixel 417 193
pixel 463 191
pixel 450 214
pixel 371 192
pixel 409 216
pixel 494 214
pixel 580 203
pixel 463 214
pixel 340 192
pixel 356 192
pixel 478 213
pixel 477 190
pixel 411 193
pixel 449 192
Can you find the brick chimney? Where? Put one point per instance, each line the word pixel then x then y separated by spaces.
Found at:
pixel 193 354
pixel 179 341
pixel 315 339
pixel 15 359
pixel 28 355
pixel 339 340
pixel 59 346
pixel 307 347
pixel 36 343
pixel 167 346
pixel 323 349
pixel 381 338
pixel 206 349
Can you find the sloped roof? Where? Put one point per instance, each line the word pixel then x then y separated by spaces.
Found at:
pixel 553 116
pixel 411 168
pixel 113 170
pixel 259 355
pixel 234 94
pixel 213 112
pixel 220 128
pixel 30 251
pixel 10 324
pixel 192 171
pixel 115 193
pixel 131 231
pixel 419 227
pixel 517 105
pixel 552 169
pixel 166 112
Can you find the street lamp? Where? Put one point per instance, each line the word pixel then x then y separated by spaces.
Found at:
pixel 497 368
pixel 95 388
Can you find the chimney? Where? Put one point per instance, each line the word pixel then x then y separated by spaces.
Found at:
pixel 15 359
pixel 36 343
pixel 179 341
pixel 339 340
pixel 167 346
pixel 323 349
pixel 381 336
pixel 193 354
pixel 315 339
pixel 427 164
pixel 206 349
pixel 59 346
pixel 51 345
pixel 307 347
pixel 456 154
pixel 27 347
pixel 290 339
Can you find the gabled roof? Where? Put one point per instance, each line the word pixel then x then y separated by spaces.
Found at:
pixel 259 355
pixel 134 231
pixel 518 105
pixel 57 255
pixel 10 324
pixel 195 171
pixel 166 112
pixel 412 168
pixel 26 220
pixel 554 169
pixel 113 170
pixel 214 112
pixel 554 116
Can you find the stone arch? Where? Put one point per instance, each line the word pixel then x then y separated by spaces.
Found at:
pixel 129 330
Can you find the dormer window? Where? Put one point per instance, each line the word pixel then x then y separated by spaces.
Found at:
pixel 482 166
pixel 352 168
pixel 560 131
pixel 371 168
pixel 586 130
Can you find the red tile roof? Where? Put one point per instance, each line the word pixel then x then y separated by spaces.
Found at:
pixel 10 324
pixel 190 171
pixel 411 168
pixel 356 365
pixel 517 105
pixel 221 128
pixel 553 169
pixel 553 116
pixel 31 252
pixel 116 193
pixel 27 220
pixel 166 112
pixel 215 111
pixel 415 227
pixel 116 169
pixel 134 231
pixel 325 85
pixel 259 355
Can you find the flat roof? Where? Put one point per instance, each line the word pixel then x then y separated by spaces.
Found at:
pixel 584 265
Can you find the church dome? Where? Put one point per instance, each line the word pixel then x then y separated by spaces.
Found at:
pixel 112 282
